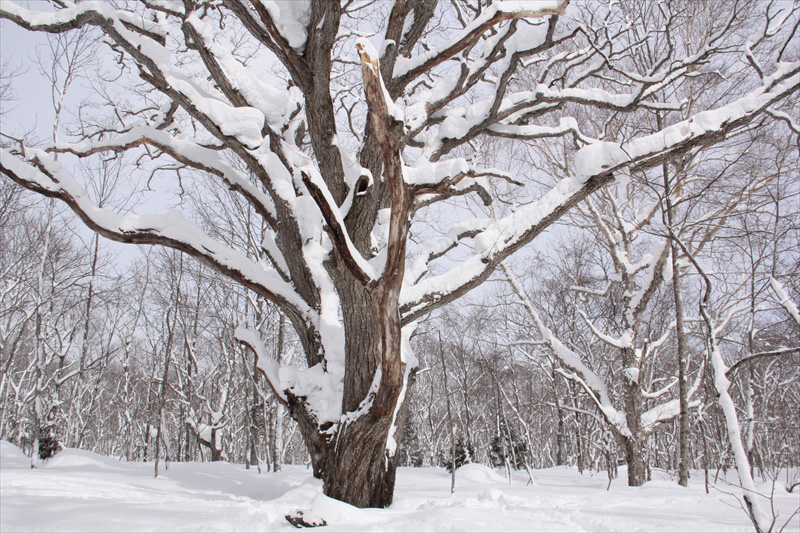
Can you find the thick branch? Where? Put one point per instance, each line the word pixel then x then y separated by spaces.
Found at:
pixel 334 225
pixel 172 230
pixel 184 151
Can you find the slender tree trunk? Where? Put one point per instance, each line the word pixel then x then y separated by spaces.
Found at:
pixel 77 389
pixel 449 421
pixel 683 385
pixel 560 436
pixel 162 394
pixel 251 406
pixel 755 512
pixel 635 443
pixel 749 393
pixel 680 332
pixel 750 429
pixel 39 414
pixel 276 425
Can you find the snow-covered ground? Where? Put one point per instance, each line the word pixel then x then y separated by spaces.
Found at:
pixel 82 491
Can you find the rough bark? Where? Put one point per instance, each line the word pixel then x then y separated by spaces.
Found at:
pixel 635 442
pixel 358 470
pixel 635 457
pixel 353 460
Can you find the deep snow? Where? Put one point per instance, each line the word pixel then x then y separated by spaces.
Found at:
pixel 81 491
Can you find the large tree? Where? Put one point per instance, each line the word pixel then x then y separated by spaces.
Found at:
pixel 261 96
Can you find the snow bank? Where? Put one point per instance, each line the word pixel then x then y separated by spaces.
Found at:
pixel 80 491
pixel 73 458
pixel 12 457
pixel 479 474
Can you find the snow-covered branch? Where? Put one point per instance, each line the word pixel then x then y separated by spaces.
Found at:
pixel 595 166
pixel 578 371
pixel 408 69
pixel 48 177
pixel 784 300
pixel 183 150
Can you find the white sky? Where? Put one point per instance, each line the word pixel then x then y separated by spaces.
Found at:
pixel 32 90
pixel 31 111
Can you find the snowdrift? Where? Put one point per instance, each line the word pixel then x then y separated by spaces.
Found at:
pixel 82 491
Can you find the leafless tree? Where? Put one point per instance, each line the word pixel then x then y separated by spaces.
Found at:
pixel 336 175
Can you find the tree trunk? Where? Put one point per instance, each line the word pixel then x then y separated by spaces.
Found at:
pixel 560 436
pixel 449 421
pixel 358 470
pixel 680 332
pixel 750 427
pixel 635 457
pixel 357 457
pixel 355 462
pixel 216 451
pixel 634 444
pixel 276 424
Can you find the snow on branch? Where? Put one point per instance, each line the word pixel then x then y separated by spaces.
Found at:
pixel 501 54
pixel 223 120
pixel 784 300
pixel 427 174
pixel 590 291
pixel 290 18
pixel 590 381
pixel 663 413
pixel 711 124
pixel 624 341
pixel 185 151
pixel 239 83
pixel 492 244
pixel 452 177
pixel 722 385
pixel 69 18
pixel 595 166
pixel 269 366
pixel 655 262
pixel 321 391
pixel 46 176
pixel 436 249
pixel 567 125
pixel 659 393
pixel 407 69
pixel 337 230
pixel 599 98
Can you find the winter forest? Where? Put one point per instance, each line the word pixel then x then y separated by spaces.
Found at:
pixel 369 239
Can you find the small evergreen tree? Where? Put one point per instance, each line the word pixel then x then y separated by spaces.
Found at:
pixel 506 445
pixel 48 444
pixel 464 454
pixel 411 449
